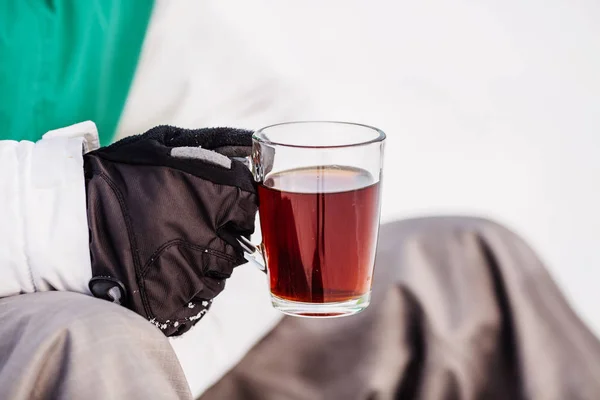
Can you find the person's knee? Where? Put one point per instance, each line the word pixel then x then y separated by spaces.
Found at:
pixel 58 312
pixel 435 227
pixel 71 343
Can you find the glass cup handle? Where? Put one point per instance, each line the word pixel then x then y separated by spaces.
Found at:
pixel 253 253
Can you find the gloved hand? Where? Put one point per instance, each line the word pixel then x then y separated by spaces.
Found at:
pixel 164 211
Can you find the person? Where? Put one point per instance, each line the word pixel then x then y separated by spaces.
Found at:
pixel 126 68
pixel 449 315
pixel 130 68
pixel 150 223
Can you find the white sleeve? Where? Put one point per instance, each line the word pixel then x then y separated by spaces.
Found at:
pixel 43 229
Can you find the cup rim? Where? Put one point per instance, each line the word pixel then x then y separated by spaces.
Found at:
pixel 259 137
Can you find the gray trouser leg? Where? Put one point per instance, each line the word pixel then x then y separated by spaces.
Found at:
pixel 69 346
pixel 462 308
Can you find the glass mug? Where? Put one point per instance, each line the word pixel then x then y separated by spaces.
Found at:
pixel 319 206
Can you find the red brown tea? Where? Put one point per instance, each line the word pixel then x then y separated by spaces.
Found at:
pixel 319 228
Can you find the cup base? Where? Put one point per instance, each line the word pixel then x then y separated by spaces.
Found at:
pixel 321 310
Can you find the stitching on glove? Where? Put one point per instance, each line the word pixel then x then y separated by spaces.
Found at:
pixel 139 277
pixel 175 242
pixel 132 241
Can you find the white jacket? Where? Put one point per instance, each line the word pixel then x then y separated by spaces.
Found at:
pixel 43 230
pixel 44 236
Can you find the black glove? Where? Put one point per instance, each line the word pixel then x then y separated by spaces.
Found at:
pixel 164 215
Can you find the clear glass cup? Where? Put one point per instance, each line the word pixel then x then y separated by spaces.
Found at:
pixel 319 205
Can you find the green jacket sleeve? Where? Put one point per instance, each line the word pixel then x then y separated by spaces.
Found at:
pixel 65 61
